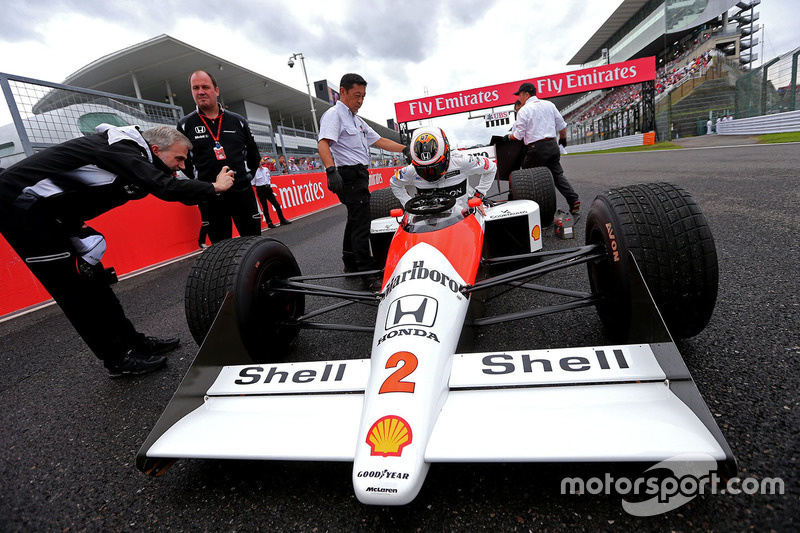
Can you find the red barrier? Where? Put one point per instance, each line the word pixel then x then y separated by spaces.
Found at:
pixel 146 232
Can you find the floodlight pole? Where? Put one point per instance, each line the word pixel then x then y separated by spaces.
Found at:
pixel 299 55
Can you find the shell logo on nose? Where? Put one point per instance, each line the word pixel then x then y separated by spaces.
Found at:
pixel 388 436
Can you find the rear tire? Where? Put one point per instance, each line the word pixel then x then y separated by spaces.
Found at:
pixel 245 266
pixel 381 203
pixel 668 235
pixel 535 184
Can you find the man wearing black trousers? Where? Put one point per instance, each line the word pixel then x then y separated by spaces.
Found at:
pixel 262 183
pixel 221 138
pixel 344 141
pixel 537 125
pixel 44 201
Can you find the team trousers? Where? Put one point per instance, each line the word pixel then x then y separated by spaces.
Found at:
pixel 355 196
pixel 265 194
pixel 545 153
pixel 239 205
pixel 84 295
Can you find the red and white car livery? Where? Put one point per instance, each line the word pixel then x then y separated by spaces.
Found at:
pixel 417 400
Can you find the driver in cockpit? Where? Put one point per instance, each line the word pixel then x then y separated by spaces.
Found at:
pixel 435 168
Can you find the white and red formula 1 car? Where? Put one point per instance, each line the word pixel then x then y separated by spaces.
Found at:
pixel 418 400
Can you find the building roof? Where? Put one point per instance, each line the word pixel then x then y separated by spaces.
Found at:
pixel 165 61
pixel 617 20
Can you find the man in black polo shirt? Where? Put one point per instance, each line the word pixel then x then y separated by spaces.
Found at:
pixel 221 138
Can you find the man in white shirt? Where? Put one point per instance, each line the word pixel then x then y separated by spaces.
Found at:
pixel 262 181
pixel 538 123
pixel 344 141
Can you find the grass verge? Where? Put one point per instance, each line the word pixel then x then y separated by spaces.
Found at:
pixel 791 137
pixel 657 146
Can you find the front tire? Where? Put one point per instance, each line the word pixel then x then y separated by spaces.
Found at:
pixel 666 232
pixel 535 184
pixel 246 266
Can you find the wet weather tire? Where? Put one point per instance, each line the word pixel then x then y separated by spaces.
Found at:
pixel 246 266
pixel 381 202
pixel 668 235
pixel 535 184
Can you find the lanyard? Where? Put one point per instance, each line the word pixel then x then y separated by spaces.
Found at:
pixel 219 127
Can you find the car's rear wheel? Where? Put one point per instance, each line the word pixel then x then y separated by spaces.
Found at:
pixel 246 266
pixel 666 232
pixel 535 184
pixel 381 203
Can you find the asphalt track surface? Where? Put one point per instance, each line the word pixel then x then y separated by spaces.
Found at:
pixel 69 435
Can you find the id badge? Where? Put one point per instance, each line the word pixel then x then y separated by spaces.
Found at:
pixel 219 152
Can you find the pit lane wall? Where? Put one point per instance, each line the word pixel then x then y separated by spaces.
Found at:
pixel 147 232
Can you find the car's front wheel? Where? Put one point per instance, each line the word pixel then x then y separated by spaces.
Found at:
pixel 662 226
pixel 250 267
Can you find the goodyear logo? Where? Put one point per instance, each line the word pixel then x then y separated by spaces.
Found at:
pixel 388 436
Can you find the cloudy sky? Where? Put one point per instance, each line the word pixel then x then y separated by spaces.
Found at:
pixel 405 49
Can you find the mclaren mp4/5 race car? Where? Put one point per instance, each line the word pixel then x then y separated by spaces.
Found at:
pixel 419 399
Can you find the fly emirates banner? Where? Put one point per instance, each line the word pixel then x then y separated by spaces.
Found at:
pixel 577 81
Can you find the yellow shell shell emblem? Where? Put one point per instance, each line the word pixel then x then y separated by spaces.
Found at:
pixel 388 436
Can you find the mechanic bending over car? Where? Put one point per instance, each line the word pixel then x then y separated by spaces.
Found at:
pixel 44 201
pixel 436 168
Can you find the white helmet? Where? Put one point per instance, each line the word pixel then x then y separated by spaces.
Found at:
pixel 430 153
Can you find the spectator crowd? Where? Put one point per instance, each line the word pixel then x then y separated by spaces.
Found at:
pixel 626 97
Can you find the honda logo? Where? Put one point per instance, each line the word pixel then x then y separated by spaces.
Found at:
pixel 412 310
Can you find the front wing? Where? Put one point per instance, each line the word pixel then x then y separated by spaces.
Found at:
pixel 634 402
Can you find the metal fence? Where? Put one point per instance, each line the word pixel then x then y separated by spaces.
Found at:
pixel 723 88
pixel 46 113
pixel 771 88
pixel 610 125
pixel 297 143
pixel 685 109
pixel 264 135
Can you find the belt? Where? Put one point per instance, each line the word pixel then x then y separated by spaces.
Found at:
pixel 357 167
pixel 543 140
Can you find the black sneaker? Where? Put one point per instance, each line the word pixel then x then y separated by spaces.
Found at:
pixel 270 225
pixel 145 346
pixel 134 364
pixel 575 208
pixel 285 222
pixel 373 282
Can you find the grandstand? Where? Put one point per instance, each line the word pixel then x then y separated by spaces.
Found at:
pixel 702 47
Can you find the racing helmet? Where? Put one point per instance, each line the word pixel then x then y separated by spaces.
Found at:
pixel 430 153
